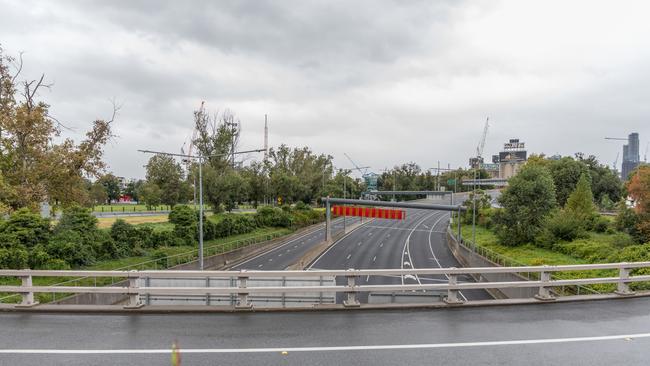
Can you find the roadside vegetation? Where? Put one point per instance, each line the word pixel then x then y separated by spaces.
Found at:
pixel 548 216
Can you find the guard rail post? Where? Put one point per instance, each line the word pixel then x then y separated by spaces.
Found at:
pixel 242 296
pixel 351 291
pixel 623 287
pixel 134 297
pixel 544 293
pixel 28 296
pixel 452 294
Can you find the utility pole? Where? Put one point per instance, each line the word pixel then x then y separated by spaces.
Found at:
pixel 200 159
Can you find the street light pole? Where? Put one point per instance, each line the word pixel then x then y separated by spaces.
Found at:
pixel 200 158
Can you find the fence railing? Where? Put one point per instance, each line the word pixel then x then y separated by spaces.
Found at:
pixel 350 288
pixel 502 260
pixel 167 261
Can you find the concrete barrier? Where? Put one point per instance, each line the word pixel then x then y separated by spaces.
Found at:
pixel 469 258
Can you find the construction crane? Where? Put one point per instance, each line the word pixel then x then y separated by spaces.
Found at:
pixel 616 138
pixel 616 161
pixel 645 154
pixel 481 144
pixel 363 170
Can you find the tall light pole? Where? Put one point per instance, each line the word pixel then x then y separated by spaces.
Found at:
pixel 200 158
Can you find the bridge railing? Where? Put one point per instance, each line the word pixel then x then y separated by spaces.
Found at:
pixel 351 287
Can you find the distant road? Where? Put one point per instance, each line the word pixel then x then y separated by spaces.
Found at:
pixel 613 332
pixel 419 241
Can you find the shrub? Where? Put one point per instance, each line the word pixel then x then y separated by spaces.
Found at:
pixel 165 238
pixel 124 236
pixel 15 257
pixel 234 225
pixel 25 228
pixel 77 219
pixel 69 246
pixel 160 257
pixel 600 225
pixel 273 216
pixel 565 226
pixel 185 220
pixel 38 257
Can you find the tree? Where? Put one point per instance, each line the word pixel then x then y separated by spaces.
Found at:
pixel 580 203
pixel 37 168
pixel 150 194
pixel 528 199
pixel 98 193
pixel 112 187
pixel 132 189
pixel 565 173
pixel 638 188
pixel 167 174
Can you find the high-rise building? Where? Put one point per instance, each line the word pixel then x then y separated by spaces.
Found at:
pixel 631 157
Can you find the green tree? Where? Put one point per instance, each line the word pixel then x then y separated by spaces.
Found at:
pixel 98 193
pixel 111 186
pixel 132 189
pixel 580 203
pixel 150 194
pixel 566 173
pixel 167 174
pixel 528 199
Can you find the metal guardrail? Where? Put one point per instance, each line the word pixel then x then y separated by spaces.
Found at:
pixel 240 289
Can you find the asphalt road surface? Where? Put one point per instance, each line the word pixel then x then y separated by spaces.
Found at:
pixel 292 250
pixel 417 242
pixel 613 332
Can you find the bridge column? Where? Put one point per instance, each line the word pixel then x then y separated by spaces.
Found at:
pixel 27 297
pixel 351 294
pixel 544 293
pixel 623 287
pixel 134 298
pixel 452 294
pixel 242 297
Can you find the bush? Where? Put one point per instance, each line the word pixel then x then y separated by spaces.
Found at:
pixel 124 236
pixel 15 257
pixel 24 228
pixel 234 225
pixel 160 257
pixel 600 225
pixel 69 246
pixel 77 219
pixel 273 217
pixel 185 220
pixel 565 226
pixel 165 238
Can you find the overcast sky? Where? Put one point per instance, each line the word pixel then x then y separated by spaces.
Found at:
pixel 385 81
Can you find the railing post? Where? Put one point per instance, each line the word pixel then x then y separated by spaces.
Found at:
pixel 544 293
pixel 134 298
pixel 351 293
pixel 623 287
pixel 242 297
pixel 452 294
pixel 28 297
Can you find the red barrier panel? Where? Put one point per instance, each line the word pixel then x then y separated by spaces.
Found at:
pixel 373 212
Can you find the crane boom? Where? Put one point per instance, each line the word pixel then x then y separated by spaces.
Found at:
pixel 616 138
pixel 481 144
pixel 357 167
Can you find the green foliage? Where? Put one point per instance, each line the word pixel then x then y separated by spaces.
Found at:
pixel 185 223
pixel 167 174
pixel 26 228
pixel 159 256
pixel 72 247
pixel 77 219
pixel 580 203
pixel 527 200
pixel 111 186
pixel 15 257
pixel 273 217
pixel 561 225
pixel 150 194
pixel 483 201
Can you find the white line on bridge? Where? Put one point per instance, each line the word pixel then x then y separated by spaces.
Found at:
pixel 626 337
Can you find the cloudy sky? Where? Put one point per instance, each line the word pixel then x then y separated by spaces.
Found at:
pixel 385 81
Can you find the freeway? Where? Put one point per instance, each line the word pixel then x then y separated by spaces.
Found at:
pixel 292 250
pixel 612 332
pixel 417 242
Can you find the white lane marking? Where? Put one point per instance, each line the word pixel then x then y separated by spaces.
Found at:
pixel 260 266
pixel 367 278
pixel 381 245
pixel 281 246
pixel 333 245
pixel 402 229
pixel 374 258
pixel 407 250
pixel 349 255
pixel 436 258
pixel 512 342
pixel 359 244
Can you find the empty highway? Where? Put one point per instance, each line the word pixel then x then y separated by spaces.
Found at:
pixel 417 242
pixel 613 332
